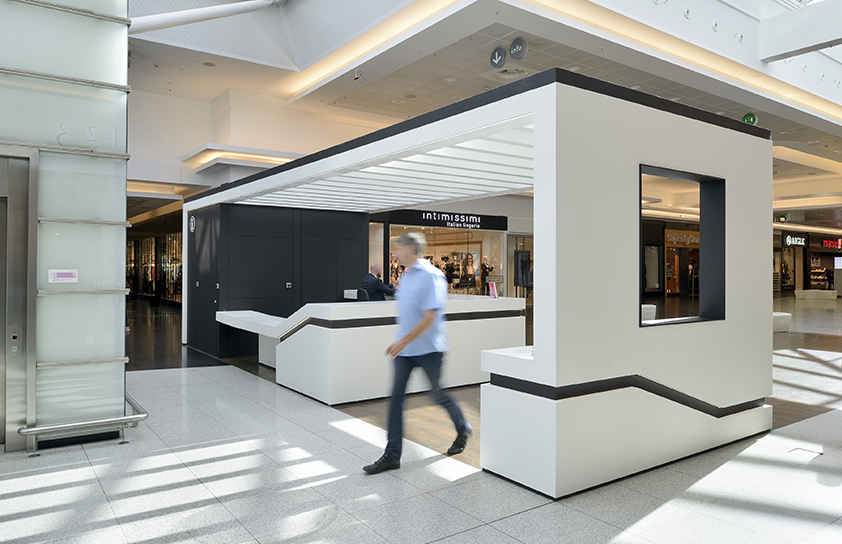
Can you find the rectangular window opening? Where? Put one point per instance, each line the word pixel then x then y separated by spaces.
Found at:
pixel 682 247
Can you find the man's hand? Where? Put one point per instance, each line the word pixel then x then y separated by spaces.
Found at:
pixel 396 348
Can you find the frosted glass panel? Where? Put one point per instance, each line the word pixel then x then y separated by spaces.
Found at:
pixel 62 43
pixel 81 187
pixel 80 393
pixel 97 252
pixel 80 327
pixel 118 8
pixel 51 113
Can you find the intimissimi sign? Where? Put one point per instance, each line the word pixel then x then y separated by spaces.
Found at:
pixel 422 218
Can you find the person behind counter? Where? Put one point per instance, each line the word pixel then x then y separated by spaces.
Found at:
pixel 374 286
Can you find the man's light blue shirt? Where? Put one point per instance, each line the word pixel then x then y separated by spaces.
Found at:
pixel 422 287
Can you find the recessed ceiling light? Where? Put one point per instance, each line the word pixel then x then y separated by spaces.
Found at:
pixel 635 87
pixel 510 74
pixel 782 132
pixel 179 69
pixel 410 96
pixel 399 101
pixel 676 99
pixel 720 113
pixel 451 79
pixel 209 64
pixel 574 68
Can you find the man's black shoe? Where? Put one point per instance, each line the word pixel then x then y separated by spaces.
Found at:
pixel 381 465
pixel 459 444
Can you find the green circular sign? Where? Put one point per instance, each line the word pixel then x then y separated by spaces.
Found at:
pixel 750 118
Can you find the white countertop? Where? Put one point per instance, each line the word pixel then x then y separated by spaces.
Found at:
pixel 268 325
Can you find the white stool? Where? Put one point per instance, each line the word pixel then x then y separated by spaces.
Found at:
pixel 648 312
pixel 780 321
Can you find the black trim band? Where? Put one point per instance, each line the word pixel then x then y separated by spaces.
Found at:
pixel 382 321
pixel 612 384
pixel 547 77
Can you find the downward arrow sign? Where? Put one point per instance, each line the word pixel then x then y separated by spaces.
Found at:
pixel 497 59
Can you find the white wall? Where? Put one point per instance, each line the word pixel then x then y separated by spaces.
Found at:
pixel 161 130
pixel 264 122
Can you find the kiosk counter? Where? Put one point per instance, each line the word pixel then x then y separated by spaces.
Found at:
pixel 335 352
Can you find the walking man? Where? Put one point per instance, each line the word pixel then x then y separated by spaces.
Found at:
pixel 421 343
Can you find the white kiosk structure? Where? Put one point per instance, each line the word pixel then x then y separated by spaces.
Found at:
pixel 605 394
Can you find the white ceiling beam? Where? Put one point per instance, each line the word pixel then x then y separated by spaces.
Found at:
pixel 805 155
pixel 800 31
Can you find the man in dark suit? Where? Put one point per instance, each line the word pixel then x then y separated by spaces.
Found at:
pixel 374 286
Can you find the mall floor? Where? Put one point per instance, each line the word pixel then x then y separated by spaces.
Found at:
pixel 227 456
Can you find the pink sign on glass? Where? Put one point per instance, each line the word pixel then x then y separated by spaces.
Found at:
pixel 64 276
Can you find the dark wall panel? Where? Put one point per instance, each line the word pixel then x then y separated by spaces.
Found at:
pixel 203 276
pixel 318 271
pixel 254 252
pixel 260 221
pixel 259 267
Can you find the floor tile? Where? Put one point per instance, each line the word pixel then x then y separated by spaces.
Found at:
pixel 211 524
pixel 624 507
pixel 491 499
pixel 359 491
pixel 481 535
pixel 695 528
pixel 295 511
pixel 417 519
pixel 767 517
pixel 557 524
pixel 678 488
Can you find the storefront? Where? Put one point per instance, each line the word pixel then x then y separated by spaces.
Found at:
pixel 788 264
pixel 823 258
pixel 153 268
pixel 670 258
pixel 469 249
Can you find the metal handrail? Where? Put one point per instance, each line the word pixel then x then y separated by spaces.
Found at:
pixel 139 415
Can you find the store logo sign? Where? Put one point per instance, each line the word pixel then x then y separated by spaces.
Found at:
pixel 680 239
pixel 832 244
pixel 192 223
pixel 454 220
pixel 795 241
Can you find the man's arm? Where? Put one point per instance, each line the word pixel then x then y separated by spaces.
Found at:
pixel 397 347
pixel 385 289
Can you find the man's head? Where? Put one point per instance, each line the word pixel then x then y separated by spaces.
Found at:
pixel 410 247
pixel 485 259
pixel 376 269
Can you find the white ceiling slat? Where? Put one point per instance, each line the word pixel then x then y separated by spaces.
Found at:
pixel 447 170
pixel 372 188
pixel 517 137
pixel 471 166
pixel 461 187
pixel 410 177
pixel 349 196
pixel 317 197
pixel 481 157
pixel 499 148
